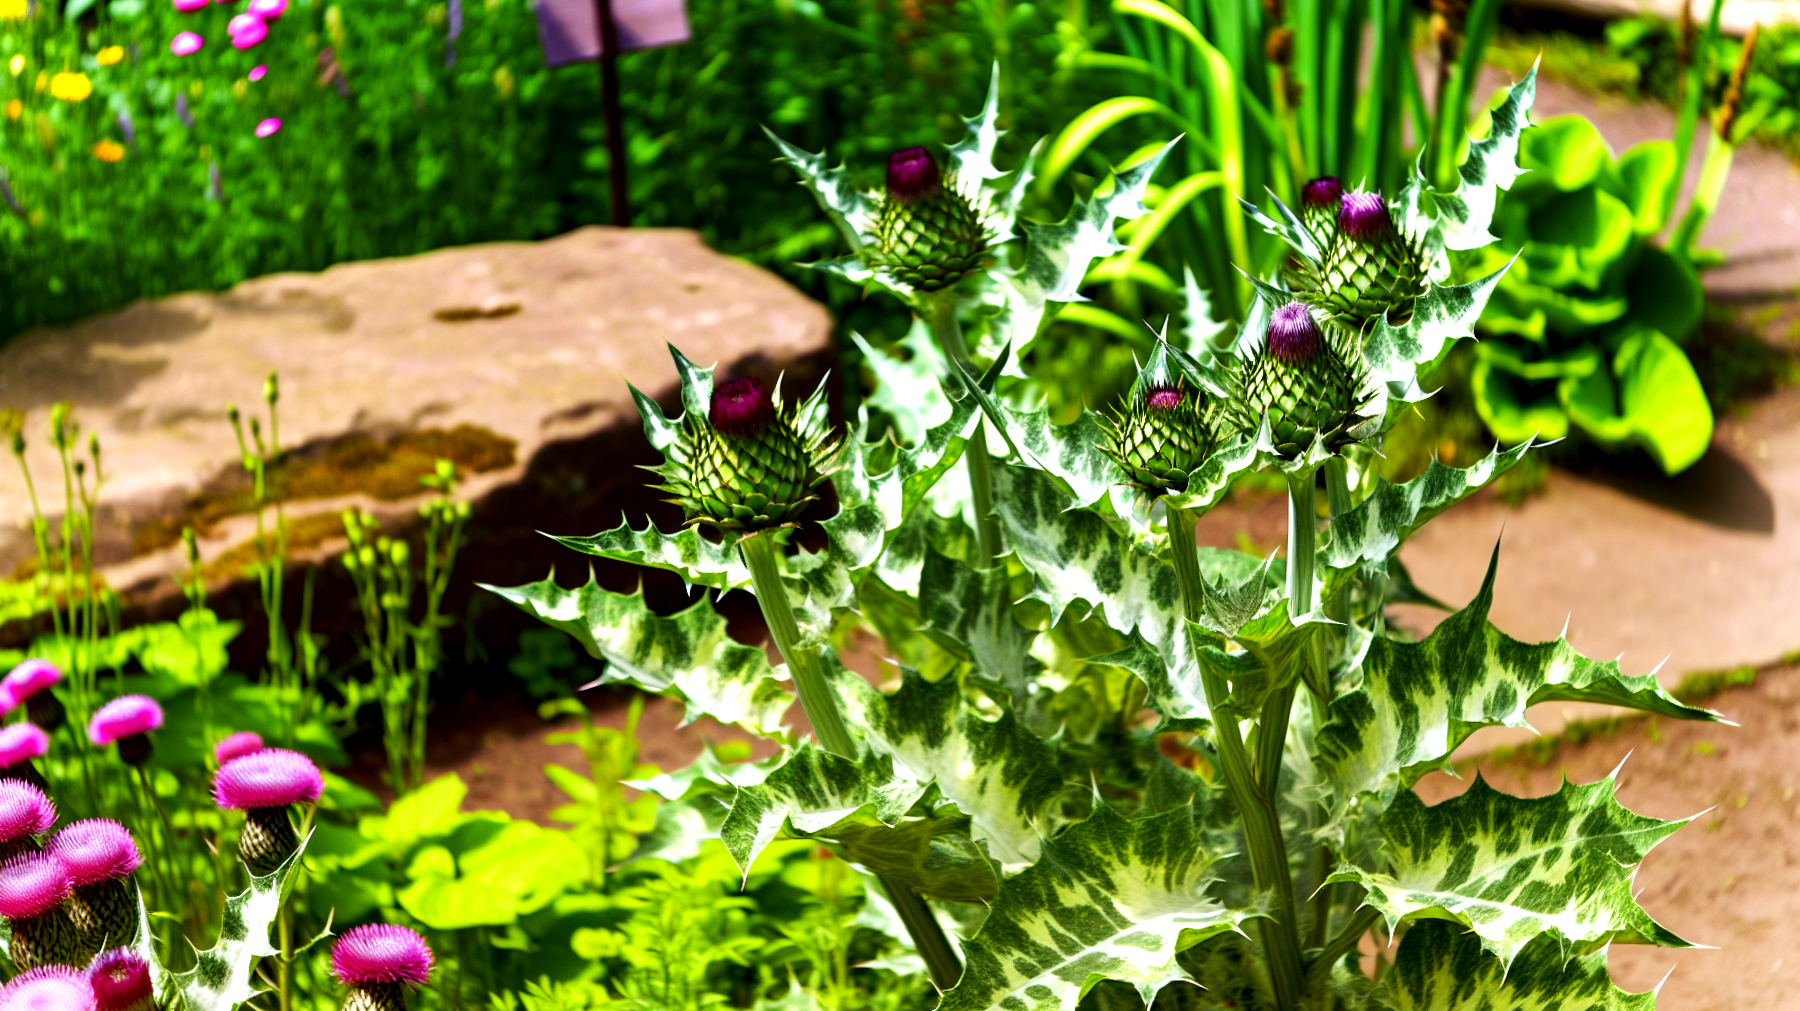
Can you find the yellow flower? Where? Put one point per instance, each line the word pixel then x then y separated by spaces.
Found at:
pixel 71 87
pixel 109 151
pixel 43 81
pixel 12 10
pixel 17 65
pixel 110 55
pixel 15 109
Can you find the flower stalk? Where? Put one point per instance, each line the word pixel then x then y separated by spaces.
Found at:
pixel 760 556
pixel 1255 804
pixel 938 309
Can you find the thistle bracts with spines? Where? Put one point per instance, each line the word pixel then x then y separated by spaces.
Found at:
pixel 1370 267
pixel 928 233
pixel 267 840
pixel 1320 200
pixel 1306 380
pixel 748 464
pixel 1166 430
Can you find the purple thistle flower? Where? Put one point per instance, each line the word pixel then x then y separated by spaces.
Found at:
pixel 378 953
pixel 913 175
pixel 182 112
pixel 268 10
pixel 95 850
pixel 22 742
pixel 29 678
pixel 121 981
pixel 1164 399
pixel 1294 336
pixel 741 406
pixel 32 884
pixel 1364 216
pixel 24 812
pixel 271 778
pixel 187 43
pixel 125 716
pixel 48 988
pixel 1325 191
pixel 244 742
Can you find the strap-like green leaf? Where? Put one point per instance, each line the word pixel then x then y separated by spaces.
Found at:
pixel 1511 868
pixel 1419 700
pixel 686 654
pixel 221 977
pixel 1110 899
pixel 1441 967
pixel 861 807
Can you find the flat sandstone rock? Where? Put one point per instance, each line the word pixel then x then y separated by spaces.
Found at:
pixel 533 342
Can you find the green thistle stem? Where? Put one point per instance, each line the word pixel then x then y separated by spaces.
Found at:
pixel 1256 807
pixel 938 309
pixel 821 708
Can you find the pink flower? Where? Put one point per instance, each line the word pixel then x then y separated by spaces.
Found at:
pixel 22 742
pixel 48 988
pixel 190 6
pixel 24 810
pixel 123 717
pixel 29 678
pixel 259 72
pixel 268 128
pixel 244 742
pixel 268 10
pixel 251 34
pixel 121 980
pixel 95 850
pixel 381 953
pixel 32 884
pixel 186 44
pixel 274 777
pixel 242 23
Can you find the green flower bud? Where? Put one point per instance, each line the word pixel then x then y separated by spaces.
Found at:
pixel 1370 266
pixel 1304 382
pixel 747 465
pixel 1161 438
pixel 928 234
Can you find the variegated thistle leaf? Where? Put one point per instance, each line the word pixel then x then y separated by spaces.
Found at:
pixel 909 390
pixel 686 654
pixel 969 613
pixel 874 815
pixel 1069 453
pixel 1419 700
pixel 1204 338
pixel 871 506
pixel 1057 256
pixel 1510 868
pixel 221 977
pixel 1460 220
pixel 1109 899
pixel 1442 967
pixel 1006 779
pixel 1373 529
pixel 850 209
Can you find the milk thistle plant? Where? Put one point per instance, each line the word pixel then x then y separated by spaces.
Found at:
pixel 1118 763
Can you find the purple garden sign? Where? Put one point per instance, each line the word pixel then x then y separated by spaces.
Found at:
pixel 569 29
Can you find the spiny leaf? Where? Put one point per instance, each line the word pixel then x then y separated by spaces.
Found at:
pixel 909 390
pixel 1510 868
pixel 1444 313
pixel 852 210
pixel 221 977
pixel 970 612
pixel 1460 220
pixel 1441 967
pixel 1005 778
pixel 686 654
pixel 1110 899
pixel 1070 453
pixel 1418 701
pixel 862 807
pixel 1205 338
pixel 1373 529
pixel 1057 256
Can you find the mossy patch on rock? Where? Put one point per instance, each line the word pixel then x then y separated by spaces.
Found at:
pixel 382 468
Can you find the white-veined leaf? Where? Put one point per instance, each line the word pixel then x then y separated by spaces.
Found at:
pixel 1441 967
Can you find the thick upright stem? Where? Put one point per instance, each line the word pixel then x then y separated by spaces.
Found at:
pixel 1262 825
pixel 828 723
pixel 938 309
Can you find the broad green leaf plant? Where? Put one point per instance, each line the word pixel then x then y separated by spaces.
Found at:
pixel 1115 760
